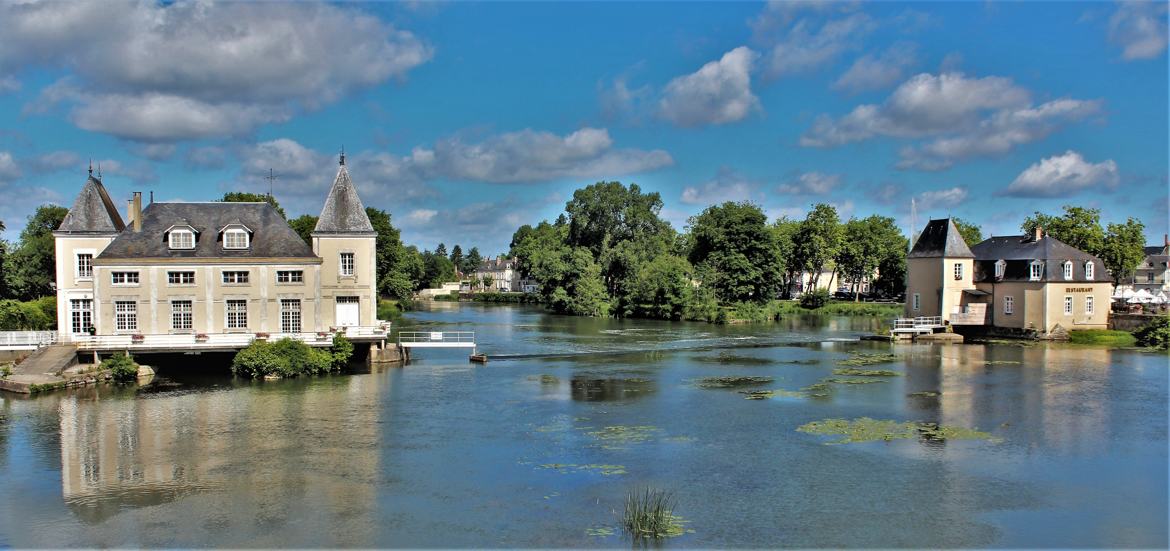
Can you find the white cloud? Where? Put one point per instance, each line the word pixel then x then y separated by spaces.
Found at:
pixel 139 172
pixel 420 217
pixel 810 183
pixel 9 84
pixel 967 117
pixel 718 93
pixel 942 199
pixel 618 99
pixel 208 156
pixel 298 170
pixel 9 170
pixel 55 161
pixel 803 49
pixel 1140 29
pixel 156 151
pixel 728 185
pixel 875 72
pixel 1063 175
pixel 232 65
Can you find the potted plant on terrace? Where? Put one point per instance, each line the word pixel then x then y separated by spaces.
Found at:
pixel 137 337
pixel 262 336
pixel 200 337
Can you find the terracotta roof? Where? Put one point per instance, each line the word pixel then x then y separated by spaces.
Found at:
pixel 93 211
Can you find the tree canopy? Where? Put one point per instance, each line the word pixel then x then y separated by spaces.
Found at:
pixel 246 197
pixel 734 251
pixel 31 269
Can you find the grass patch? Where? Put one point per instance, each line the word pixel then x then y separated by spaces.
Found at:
pixel 860 360
pixel 865 372
pixel 650 514
pixel 733 382
pixel 1102 337
pixel 864 429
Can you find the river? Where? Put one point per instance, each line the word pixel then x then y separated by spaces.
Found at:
pixel 517 453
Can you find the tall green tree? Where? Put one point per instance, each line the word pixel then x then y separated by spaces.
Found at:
pixel 245 197
pixel 605 213
pixel 785 231
pixel 866 243
pixel 32 267
pixel 457 257
pixel 1079 227
pixel 971 233
pixel 735 253
pixel 818 240
pixel 441 250
pixel 304 226
pixel 1123 249
pixel 473 259
pixel 437 269
pixel 660 288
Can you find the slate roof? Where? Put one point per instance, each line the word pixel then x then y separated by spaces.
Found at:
pixel 1018 252
pixel 940 238
pixel 343 211
pixel 271 238
pixel 1155 250
pixel 93 211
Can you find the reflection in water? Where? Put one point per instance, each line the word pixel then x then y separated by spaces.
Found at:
pixel 610 390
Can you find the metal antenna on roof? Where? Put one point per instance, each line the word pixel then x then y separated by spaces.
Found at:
pixel 342 156
pixel 271 178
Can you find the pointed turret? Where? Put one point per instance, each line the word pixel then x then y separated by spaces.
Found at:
pixel 941 239
pixel 343 212
pixel 93 212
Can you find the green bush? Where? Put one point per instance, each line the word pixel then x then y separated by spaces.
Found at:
pixel 1155 334
pixel 122 367
pixel 340 352
pixel 286 358
pixel 257 360
pixel 814 299
pixel 35 315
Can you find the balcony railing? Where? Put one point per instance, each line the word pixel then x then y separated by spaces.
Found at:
pixel 219 341
pixel 26 340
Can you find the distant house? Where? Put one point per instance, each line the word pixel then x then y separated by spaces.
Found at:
pixel 1153 274
pixel 1033 282
pixel 503 275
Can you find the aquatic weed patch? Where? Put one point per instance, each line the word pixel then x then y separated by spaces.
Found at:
pixel 846 381
pixel 925 394
pixel 865 429
pixel 604 470
pixel 649 514
pixel 734 359
pixel 864 359
pixel 732 382
pixel 618 436
pixel 865 372
pixel 769 394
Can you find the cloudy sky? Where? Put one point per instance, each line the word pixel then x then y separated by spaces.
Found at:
pixel 466 120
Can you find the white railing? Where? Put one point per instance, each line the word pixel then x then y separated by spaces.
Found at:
pixel 919 323
pixel 27 339
pixel 436 336
pixel 198 341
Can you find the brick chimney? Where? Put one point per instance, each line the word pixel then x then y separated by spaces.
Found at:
pixel 1037 233
pixel 136 211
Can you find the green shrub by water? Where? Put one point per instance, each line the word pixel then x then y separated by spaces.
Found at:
pixel 123 368
pixel 34 315
pixel 1155 334
pixel 290 358
pixel 1102 337
pixel 814 299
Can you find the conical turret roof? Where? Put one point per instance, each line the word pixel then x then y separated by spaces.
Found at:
pixel 93 211
pixel 941 238
pixel 343 211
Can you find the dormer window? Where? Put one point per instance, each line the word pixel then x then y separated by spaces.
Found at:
pixel 235 239
pixel 1000 268
pixel 1089 270
pixel 181 238
pixel 1036 270
pixel 1068 270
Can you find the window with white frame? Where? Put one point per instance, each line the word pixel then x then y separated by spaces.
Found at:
pixel 125 315
pixel 1089 266
pixel 917 302
pixel 1068 271
pixel 958 271
pixel 290 276
pixel 235 239
pixel 237 314
pixel 84 266
pixel 182 239
pixel 1089 306
pixel 81 314
pixel 1000 268
pixel 290 315
pixel 235 277
pixel 124 278
pixel 1036 270
pixel 182 315
pixel 181 278
pixel 347 264
pixel 1009 305
pixel 1068 306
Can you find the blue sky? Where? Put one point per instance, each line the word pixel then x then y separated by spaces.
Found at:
pixel 465 120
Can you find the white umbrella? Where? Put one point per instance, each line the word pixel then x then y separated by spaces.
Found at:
pixel 1160 298
pixel 1127 293
pixel 1143 296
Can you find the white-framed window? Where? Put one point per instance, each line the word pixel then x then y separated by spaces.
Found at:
pixel 347 264
pixel 181 239
pixel 125 315
pixel 124 278
pixel 1089 306
pixel 1068 305
pixel 1000 268
pixel 1036 270
pixel 237 314
pixel 290 315
pixel 290 276
pixel 181 278
pixel 235 239
pixel 182 315
pixel 1089 266
pixel 235 277
pixel 916 302
pixel 1009 305
pixel 958 271
pixel 1068 271
pixel 81 314
pixel 84 266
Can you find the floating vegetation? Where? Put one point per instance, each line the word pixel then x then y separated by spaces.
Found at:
pixel 549 380
pixel 734 359
pixel 599 531
pixel 679 439
pixel 733 382
pixel 926 394
pixel 650 514
pixel 617 436
pixel 767 394
pixel 818 390
pixel 800 362
pixel 865 372
pixel 1001 362
pixel 604 470
pixel 865 429
pixel 858 360
pixel 842 381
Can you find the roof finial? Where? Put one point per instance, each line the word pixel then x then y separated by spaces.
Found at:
pixel 91 167
pixel 342 155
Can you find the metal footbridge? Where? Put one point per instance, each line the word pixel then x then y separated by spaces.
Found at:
pixel 436 339
pixel 922 325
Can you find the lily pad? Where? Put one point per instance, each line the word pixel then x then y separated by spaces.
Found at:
pixel 858 360
pixel 865 372
pixel 733 382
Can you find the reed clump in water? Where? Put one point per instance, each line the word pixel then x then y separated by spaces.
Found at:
pixel 649 513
